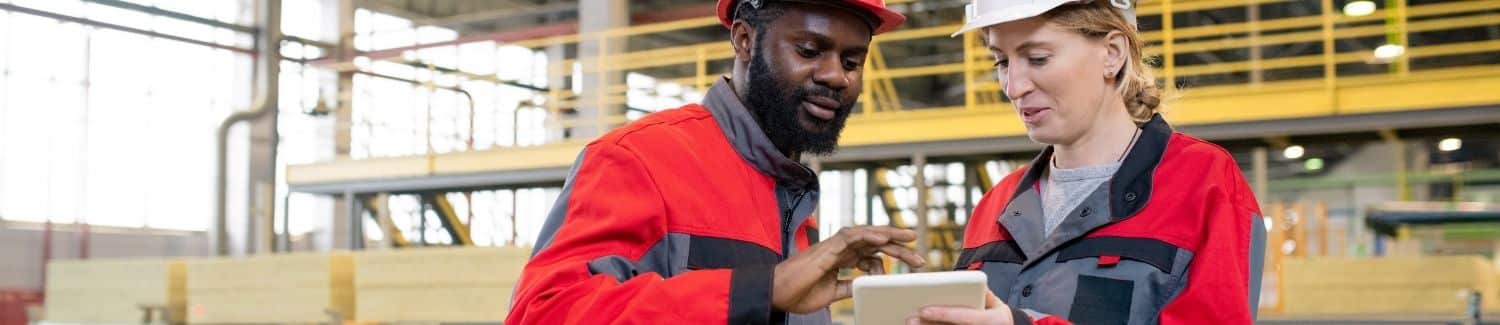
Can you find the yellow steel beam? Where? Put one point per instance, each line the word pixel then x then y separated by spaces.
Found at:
pixel 1403 187
pixel 700 76
pixel 1221 44
pixel 1152 7
pixel 1347 57
pixel 949 68
pixel 1399 31
pixel 982 111
pixel 1271 25
pixel 1312 36
pixel 677 55
pixel 689 54
pixel 711 21
pixel 892 99
pixel 622 32
pixel 347 169
pixel 888 199
pixel 866 98
pixel 509 158
pixel 1169 60
pixel 986 181
pixel 381 212
pixel 573 122
pixel 1421 90
pixel 919 33
pixel 969 67
pixel 606 100
pixel 1208 105
pixel 876 93
pixel 457 228
pixel 1330 67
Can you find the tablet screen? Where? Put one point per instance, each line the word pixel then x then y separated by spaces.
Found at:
pixel 890 299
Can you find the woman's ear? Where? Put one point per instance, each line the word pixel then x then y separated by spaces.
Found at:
pixel 1116 54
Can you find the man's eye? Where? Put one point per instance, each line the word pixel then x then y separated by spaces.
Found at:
pixel 806 52
pixel 852 65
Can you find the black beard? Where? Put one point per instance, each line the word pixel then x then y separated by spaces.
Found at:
pixel 776 105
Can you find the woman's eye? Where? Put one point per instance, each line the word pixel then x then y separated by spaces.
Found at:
pixel 1002 63
pixel 1038 61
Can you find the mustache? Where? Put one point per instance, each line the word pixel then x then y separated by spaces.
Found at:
pixel 821 91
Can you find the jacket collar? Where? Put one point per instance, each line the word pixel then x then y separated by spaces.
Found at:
pixel 1131 185
pixel 746 137
pixel 1127 191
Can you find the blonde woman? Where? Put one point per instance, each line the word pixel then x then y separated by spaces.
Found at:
pixel 1120 220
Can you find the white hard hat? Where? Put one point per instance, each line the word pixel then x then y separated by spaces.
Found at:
pixel 982 13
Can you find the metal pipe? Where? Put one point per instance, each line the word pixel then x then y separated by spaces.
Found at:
pixel 285 240
pixel 356 224
pixel 267 74
pixel 919 183
pixel 83 243
pixel 46 251
pixel 154 11
pixel 467 96
pixel 466 93
pixel 1260 166
pixel 100 24
pixel 1257 74
pixel 515 209
pixel 1403 186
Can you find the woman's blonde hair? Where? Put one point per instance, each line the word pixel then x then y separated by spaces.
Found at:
pixel 1135 83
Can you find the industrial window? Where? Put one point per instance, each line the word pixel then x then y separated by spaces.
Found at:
pixel 109 127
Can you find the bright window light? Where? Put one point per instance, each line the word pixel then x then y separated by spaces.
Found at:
pixel 1293 152
pixel 1450 144
pixel 1359 8
pixel 1389 51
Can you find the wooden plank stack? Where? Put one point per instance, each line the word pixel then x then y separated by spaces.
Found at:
pixel 112 291
pixel 1412 285
pixel 289 288
pixel 448 284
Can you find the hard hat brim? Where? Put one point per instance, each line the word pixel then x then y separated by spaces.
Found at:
pixel 889 19
pixel 1019 12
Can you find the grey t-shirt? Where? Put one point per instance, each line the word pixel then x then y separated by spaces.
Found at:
pixel 1066 188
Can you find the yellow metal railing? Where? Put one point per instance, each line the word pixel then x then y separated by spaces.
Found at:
pixel 1167 40
pixel 881 95
pixel 1315 81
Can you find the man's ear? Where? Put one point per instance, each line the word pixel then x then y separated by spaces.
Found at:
pixel 1116 54
pixel 740 34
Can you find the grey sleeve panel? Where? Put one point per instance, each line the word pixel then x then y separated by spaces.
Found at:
pixel 615 266
pixel 820 317
pixel 559 211
pixel 667 258
pixel 1021 316
pixel 1257 261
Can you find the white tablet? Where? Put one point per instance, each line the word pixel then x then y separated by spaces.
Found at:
pixel 890 299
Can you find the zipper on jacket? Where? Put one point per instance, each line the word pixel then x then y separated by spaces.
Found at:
pixel 786 224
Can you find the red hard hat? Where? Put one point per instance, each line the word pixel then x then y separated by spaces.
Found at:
pixel 889 19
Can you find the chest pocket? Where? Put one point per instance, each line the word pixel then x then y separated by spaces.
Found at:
pixel 1000 261
pixel 1123 280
